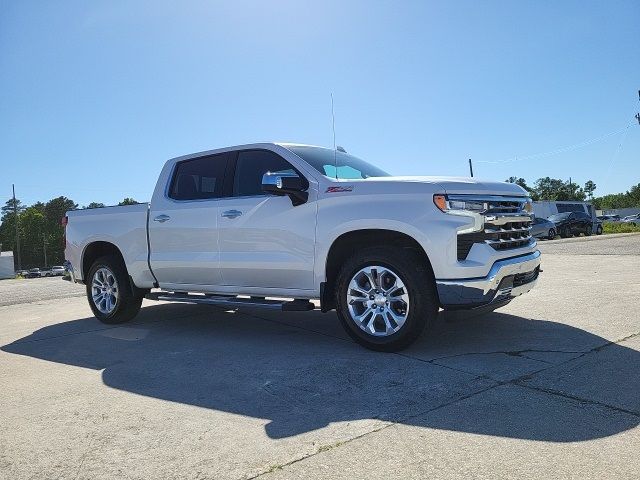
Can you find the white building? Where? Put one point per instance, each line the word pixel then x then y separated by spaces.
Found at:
pixel 546 208
pixel 6 265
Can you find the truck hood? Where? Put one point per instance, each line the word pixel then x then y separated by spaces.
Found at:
pixel 461 185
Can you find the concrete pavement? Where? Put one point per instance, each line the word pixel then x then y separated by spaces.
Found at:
pixel 547 387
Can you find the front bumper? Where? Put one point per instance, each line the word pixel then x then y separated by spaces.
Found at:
pixel 508 278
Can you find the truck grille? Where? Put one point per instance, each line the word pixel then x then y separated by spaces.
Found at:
pixel 506 226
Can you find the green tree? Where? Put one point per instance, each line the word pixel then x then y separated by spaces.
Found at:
pixel 95 205
pixel 32 237
pixel 629 199
pixel 54 210
pixel 8 209
pixel 589 188
pixel 128 201
pixel 523 183
pixel 548 188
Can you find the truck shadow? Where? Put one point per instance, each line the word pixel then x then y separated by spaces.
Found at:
pixel 301 381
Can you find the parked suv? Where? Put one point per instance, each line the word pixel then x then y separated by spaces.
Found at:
pixel 569 224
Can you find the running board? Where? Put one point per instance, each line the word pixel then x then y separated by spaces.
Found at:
pixel 231 301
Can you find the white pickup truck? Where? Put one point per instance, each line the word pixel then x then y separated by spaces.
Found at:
pixel 276 225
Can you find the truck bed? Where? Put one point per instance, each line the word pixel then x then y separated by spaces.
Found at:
pixel 124 226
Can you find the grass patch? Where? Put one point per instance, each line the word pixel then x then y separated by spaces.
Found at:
pixel 619 228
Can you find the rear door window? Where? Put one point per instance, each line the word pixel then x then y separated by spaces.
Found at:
pixel 200 178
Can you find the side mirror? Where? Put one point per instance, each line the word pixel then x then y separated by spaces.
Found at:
pixel 286 184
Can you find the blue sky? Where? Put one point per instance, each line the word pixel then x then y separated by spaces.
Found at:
pixel 97 95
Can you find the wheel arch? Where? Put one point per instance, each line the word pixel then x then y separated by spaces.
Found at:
pixel 94 250
pixel 345 244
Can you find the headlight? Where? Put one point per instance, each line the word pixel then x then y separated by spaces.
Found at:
pixel 465 208
pixel 458 205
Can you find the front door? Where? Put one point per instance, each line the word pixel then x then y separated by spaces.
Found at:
pixel 264 240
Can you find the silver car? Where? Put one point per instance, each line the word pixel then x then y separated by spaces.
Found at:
pixel 632 219
pixel 543 228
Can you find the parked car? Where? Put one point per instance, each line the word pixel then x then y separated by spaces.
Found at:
pixel 609 218
pixel 569 224
pixel 304 222
pixel 56 271
pixel 543 228
pixel 33 273
pixel 632 219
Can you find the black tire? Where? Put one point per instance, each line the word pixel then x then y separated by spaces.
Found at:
pixel 599 230
pixel 127 304
pixel 552 234
pixel 420 287
pixel 588 231
pixel 564 233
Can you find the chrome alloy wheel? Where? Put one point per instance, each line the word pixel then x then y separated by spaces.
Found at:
pixel 378 301
pixel 104 290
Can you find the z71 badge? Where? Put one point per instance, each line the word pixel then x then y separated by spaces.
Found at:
pixel 346 188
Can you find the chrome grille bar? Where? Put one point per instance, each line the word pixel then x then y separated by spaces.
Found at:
pixel 506 224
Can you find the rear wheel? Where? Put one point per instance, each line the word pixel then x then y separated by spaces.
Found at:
pixel 385 298
pixel 109 293
pixel 588 231
pixel 599 230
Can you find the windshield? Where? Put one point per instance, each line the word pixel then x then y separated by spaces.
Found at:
pixel 325 160
pixel 559 216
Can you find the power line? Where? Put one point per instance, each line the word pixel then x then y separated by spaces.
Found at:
pixel 559 150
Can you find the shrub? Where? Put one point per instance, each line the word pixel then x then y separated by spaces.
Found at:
pixel 608 227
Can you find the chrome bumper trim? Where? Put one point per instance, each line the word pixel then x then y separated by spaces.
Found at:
pixel 474 292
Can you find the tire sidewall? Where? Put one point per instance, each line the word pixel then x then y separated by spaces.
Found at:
pixel 421 300
pixel 124 297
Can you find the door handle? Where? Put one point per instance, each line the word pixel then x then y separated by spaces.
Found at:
pixel 232 213
pixel 162 218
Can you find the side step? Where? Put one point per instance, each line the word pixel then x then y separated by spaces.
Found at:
pixel 297 305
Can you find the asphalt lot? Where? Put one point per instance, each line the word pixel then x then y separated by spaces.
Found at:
pixel 547 387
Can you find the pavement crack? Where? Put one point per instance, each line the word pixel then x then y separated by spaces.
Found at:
pixel 511 353
pixel 560 393
pixel 320 449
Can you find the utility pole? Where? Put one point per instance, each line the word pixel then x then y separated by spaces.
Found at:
pixel 44 249
pixel 571 191
pixel 470 167
pixel 15 213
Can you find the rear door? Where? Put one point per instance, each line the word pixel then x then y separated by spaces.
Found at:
pixel 265 241
pixel 183 223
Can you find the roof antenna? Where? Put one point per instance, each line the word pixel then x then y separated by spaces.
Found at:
pixel 333 126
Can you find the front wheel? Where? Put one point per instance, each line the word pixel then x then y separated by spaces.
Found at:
pixel 385 298
pixel 110 296
pixel 588 231
pixel 552 234
pixel 599 230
